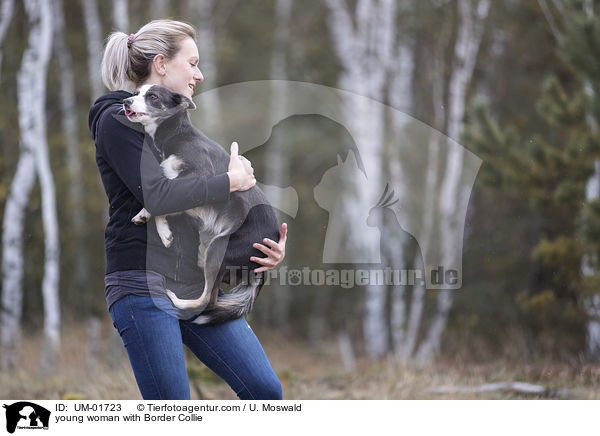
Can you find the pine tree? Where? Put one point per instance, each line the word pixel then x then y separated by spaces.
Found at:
pixel 553 170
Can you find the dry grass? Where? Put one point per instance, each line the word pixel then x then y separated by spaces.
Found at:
pixel 306 373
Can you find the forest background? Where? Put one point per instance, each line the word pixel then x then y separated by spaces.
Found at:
pixel 516 83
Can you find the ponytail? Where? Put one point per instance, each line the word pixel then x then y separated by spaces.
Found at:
pixel 116 63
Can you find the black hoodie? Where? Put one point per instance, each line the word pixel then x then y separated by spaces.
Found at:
pixel 121 154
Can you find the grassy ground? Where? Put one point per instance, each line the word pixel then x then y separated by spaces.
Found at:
pixel 306 373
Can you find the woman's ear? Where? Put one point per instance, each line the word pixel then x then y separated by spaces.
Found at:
pixel 159 64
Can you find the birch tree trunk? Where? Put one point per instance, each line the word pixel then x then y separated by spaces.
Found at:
pixel 94 46
pixel 466 49
pixel 121 15
pixel 365 51
pixel 12 253
pixel 6 12
pixel 31 91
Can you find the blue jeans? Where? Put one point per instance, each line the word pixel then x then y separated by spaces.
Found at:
pixel 154 341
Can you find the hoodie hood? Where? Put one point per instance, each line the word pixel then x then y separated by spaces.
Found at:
pixel 104 102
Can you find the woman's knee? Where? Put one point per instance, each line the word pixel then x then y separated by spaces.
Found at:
pixel 263 389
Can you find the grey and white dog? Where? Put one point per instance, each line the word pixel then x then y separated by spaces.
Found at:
pixel 227 231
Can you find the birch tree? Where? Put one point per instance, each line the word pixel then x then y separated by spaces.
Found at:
pixel 472 16
pixel 121 15
pixel 93 30
pixel 364 41
pixel 33 159
pixel 6 12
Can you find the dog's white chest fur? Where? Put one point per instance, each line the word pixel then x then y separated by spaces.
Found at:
pixel 171 166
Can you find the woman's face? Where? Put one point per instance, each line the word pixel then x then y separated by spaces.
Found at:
pixel 181 72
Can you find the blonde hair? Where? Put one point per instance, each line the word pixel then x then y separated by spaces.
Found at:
pixel 127 59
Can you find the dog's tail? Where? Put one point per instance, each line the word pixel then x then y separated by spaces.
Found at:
pixel 237 303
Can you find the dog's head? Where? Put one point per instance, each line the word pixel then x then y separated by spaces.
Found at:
pixel 152 104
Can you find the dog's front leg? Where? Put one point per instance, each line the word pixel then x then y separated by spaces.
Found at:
pixel 164 231
pixel 141 218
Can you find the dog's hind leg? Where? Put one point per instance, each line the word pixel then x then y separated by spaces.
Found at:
pixel 215 253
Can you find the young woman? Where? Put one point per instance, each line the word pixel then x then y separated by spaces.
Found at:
pixel 164 52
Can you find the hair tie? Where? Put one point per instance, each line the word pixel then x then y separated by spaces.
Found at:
pixel 130 40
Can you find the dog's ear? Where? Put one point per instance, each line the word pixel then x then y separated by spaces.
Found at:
pixel 191 104
pixel 182 100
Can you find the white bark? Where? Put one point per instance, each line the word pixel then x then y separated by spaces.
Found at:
pixel 12 254
pixel 121 15
pixel 431 181
pixel 93 30
pixel 6 12
pixel 366 51
pixel 466 49
pixel 49 215
pixel 31 91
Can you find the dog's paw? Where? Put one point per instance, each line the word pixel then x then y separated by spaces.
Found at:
pixel 141 218
pixel 166 238
pixel 171 295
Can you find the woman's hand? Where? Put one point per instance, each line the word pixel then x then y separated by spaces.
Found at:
pixel 241 173
pixel 275 251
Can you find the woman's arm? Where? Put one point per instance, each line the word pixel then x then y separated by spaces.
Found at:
pixel 132 160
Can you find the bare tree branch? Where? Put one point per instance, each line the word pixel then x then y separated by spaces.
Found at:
pixel 549 18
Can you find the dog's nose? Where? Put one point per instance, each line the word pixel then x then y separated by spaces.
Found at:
pixel 127 101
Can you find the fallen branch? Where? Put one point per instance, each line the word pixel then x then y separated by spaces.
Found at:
pixel 517 387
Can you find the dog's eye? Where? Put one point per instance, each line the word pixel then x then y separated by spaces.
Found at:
pixel 153 97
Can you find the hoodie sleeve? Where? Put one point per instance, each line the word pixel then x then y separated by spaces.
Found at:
pixel 125 150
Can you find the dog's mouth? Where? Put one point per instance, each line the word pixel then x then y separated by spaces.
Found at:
pixel 133 115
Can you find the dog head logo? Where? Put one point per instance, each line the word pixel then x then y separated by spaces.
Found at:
pixel 26 415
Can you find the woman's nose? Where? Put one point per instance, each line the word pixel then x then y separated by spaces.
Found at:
pixel 198 77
